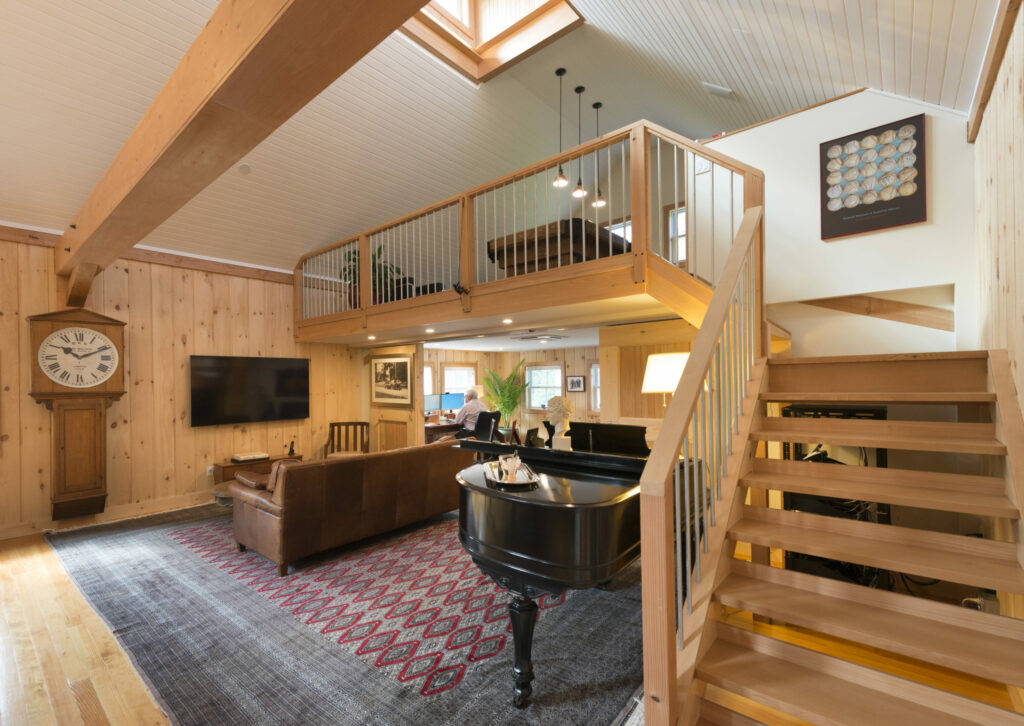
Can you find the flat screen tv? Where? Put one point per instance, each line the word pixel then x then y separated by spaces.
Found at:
pixel 232 389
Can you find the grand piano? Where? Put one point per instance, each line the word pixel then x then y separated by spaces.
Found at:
pixel 576 529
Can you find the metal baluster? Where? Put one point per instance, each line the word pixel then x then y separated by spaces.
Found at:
pixel 661 206
pixel 611 196
pixel 684 528
pixel 536 228
pixel 698 480
pixel 706 468
pixel 622 199
pixel 515 225
pixel 570 216
pixel 680 531
pixel 547 223
pixel 673 247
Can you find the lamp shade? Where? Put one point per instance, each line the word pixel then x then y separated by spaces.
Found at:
pixel 663 372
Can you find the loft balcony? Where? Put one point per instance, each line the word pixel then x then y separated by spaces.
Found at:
pixel 520 244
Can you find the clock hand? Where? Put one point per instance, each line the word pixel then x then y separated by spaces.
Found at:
pixel 67 351
pixel 80 357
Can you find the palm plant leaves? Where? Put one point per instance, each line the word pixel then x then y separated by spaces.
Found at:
pixel 504 394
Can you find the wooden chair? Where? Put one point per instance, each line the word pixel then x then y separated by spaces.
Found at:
pixel 351 437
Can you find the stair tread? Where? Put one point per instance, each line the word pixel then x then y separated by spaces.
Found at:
pixel 929 554
pixel 810 693
pixel 960 647
pixel 831 483
pixel 879 396
pixel 888 476
pixel 968 438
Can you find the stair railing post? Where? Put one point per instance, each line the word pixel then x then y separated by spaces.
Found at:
pixel 467 240
pixel 639 201
pixel 365 272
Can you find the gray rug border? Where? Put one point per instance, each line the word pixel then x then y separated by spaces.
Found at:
pixel 124 525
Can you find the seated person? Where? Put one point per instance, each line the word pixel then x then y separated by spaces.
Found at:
pixel 468 414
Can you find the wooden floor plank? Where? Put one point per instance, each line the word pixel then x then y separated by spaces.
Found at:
pixel 67 666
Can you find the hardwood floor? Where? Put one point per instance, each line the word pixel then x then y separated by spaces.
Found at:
pixel 59 662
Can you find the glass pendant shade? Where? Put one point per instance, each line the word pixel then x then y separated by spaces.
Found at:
pixel 579 192
pixel 560 180
pixel 599 202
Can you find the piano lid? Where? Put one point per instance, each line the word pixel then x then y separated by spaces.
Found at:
pixel 557 489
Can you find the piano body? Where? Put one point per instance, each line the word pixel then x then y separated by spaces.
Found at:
pixel 577 529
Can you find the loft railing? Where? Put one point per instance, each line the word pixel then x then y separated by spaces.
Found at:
pixel 522 225
pixel 684 497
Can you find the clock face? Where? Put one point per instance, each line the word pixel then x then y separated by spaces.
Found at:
pixel 78 357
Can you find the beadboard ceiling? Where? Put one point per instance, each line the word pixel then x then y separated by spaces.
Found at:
pixel 400 130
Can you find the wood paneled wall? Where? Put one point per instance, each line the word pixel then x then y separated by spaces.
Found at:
pixel 999 206
pixel 155 460
pixel 395 427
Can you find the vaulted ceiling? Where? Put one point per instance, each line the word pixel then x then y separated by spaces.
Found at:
pixel 400 130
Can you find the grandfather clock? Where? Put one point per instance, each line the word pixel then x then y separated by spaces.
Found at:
pixel 77 373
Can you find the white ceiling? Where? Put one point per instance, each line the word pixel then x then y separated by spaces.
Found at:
pixel 400 130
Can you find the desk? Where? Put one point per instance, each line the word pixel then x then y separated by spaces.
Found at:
pixel 433 431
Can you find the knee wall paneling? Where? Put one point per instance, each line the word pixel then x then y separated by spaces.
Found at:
pixel 999 208
pixel 155 459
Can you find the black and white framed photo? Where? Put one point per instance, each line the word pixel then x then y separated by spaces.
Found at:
pixel 391 380
pixel 575 384
pixel 873 179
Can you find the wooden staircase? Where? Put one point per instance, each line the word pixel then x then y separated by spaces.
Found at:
pixel 974 444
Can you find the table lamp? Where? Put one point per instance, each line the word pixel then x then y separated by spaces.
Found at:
pixel 662 373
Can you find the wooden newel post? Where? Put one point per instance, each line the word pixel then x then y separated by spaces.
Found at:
pixel 467 268
pixel 639 201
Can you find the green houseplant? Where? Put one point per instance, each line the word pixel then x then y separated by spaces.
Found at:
pixel 504 394
pixel 384 274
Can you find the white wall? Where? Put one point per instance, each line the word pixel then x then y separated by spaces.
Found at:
pixel 799 266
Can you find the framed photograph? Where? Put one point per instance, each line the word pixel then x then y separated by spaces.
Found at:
pixel 391 380
pixel 575 384
pixel 874 179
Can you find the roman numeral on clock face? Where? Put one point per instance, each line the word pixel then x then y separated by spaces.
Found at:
pixel 54 366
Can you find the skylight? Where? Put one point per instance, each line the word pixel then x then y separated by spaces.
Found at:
pixel 480 38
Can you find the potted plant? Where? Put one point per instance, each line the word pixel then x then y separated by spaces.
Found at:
pixel 384 274
pixel 504 394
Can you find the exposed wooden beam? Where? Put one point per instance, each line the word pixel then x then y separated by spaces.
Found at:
pixel 80 283
pixel 28 236
pixel 254 64
pixel 1002 28
pixel 901 312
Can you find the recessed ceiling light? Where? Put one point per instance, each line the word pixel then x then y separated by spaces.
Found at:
pixel 507 321
pixel 371 337
pixel 430 330
pixel 543 341
pixel 244 168
pixel 481 336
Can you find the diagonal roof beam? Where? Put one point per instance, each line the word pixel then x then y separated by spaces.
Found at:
pixel 254 64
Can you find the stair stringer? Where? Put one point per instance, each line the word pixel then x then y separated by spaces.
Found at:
pixel 700 627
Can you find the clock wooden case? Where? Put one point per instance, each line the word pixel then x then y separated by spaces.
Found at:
pixel 77 372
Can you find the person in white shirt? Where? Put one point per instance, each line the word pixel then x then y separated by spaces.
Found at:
pixel 470 411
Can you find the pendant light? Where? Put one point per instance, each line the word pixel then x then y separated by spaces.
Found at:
pixel 579 192
pixel 599 202
pixel 560 180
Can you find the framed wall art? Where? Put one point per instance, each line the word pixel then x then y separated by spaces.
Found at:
pixel 874 179
pixel 574 384
pixel 391 380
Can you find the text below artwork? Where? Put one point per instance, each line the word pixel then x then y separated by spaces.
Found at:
pixel 873 179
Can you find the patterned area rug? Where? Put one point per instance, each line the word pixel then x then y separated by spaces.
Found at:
pixel 400 629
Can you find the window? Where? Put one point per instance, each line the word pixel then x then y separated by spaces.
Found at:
pixel 428 380
pixel 458 378
pixel 544 382
pixel 595 386
pixel 623 229
pixel 676 224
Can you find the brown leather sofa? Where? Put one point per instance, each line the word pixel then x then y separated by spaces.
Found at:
pixel 300 509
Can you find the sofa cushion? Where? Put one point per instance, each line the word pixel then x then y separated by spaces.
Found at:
pixel 252 479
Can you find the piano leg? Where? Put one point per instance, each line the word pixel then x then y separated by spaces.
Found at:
pixel 522 611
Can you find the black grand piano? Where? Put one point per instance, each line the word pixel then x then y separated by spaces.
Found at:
pixel 576 529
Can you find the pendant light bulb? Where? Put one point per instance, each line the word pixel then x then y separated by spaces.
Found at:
pixel 579 192
pixel 599 201
pixel 560 180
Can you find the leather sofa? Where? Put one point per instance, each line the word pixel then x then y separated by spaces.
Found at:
pixel 300 509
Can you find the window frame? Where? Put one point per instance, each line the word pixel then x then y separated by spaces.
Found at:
pixel 667 221
pixel 458 364
pixel 560 365
pixel 590 379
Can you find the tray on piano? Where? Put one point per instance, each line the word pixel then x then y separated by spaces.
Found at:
pixel 593 463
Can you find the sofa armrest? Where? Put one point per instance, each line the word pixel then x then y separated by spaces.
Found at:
pixel 252 479
pixel 257 498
